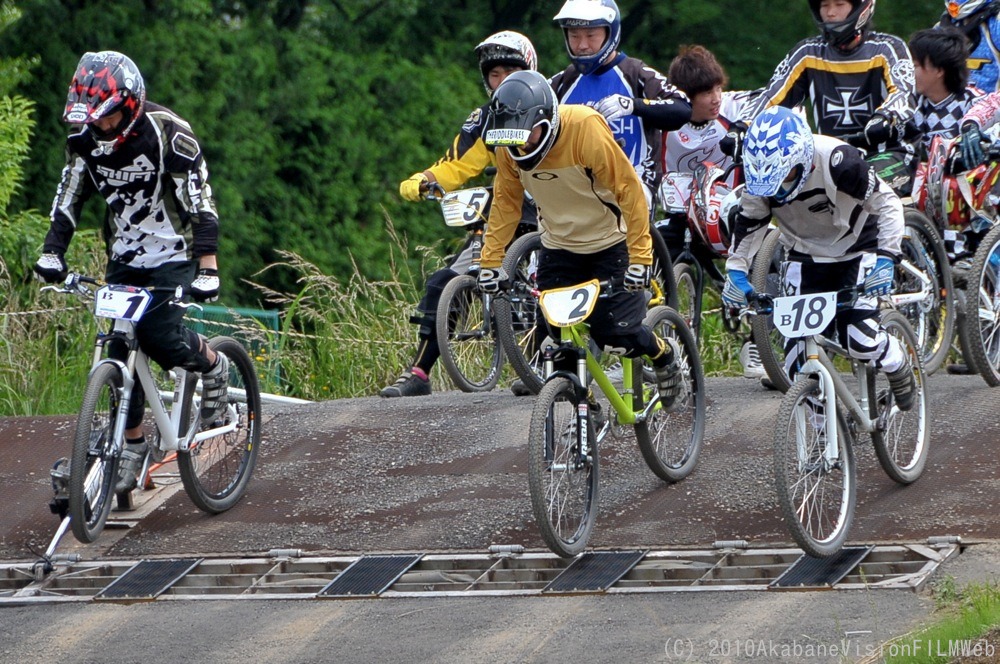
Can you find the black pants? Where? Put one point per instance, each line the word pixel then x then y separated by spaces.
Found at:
pixel 616 322
pixel 161 332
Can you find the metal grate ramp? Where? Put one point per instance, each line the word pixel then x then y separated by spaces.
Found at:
pixel 594 571
pixel 813 573
pixel 369 576
pixel 147 579
pixel 287 574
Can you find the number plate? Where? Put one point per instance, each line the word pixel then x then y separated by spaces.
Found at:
pixel 804 315
pixel 466 206
pixel 568 306
pixel 121 302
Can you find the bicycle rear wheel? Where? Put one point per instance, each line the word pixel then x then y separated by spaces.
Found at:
pixel 470 352
pixel 816 496
pixel 94 465
pixel 215 473
pixel 663 287
pixel 671 442
pixel 982 309
pixel 562 480
pixel 519 324
pixel 933 318
pixel 765 275
pixel 902 446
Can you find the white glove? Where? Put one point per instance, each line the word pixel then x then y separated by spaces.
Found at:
pixel 614 107
pixel 491 280
pixel 50 268
pixel 637 277
pixel 205 287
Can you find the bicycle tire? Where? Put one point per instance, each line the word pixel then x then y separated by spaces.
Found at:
pixel 671 442
pixel 564 493
pixel 470 351
pixel 765 276
pixel 216 472
pixel 933 320
pixel 689 296
pixel 516 313
pixel 982 309
pixel 93 453
pixel 818 519
pixel 902 446
pixel 663 287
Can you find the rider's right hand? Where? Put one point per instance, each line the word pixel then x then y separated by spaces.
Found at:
pixel 732 144
pixel 491 280
pixel 414 187
pixel 970 144
pixel 737 290
pixel 50 268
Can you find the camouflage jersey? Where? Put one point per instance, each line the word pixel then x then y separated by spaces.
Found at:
pixel 160 206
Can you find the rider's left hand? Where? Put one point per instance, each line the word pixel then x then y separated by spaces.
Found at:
pixel 614 107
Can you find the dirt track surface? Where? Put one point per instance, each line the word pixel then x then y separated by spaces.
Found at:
pixel 448 472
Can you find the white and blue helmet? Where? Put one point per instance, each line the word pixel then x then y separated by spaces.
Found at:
pixel 778 155
pixel 591 14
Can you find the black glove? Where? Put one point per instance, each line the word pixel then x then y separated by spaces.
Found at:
pixel 732 144
pixel 638 277
pixel 879 130
pixel 492 280
pixel 205 287
pixel 51 268
pixel 971 145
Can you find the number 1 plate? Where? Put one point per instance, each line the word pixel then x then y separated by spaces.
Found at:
pixel 804 315
pixel 121 302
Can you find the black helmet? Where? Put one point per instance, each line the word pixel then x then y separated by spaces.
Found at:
pixel 842 33
pixel 523 101
pixel 505 48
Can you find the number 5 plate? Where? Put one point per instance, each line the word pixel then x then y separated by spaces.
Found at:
pixel 121 302
pixel 804 315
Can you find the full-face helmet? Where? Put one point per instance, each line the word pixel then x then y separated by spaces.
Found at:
pixel 963 12
pixel 778 155
pixel 842 34
pixel 524 101
pixel 591 14
pixel 106 82
pixel 507 48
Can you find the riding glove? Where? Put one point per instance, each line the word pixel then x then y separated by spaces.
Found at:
pixel 614 107
pixel 971 145
pixel 737 290
pixel 637 277
pixel 414 187
pixel 491 280
pixel 205 287
pixel 50 268
pixel 732 144
pixel 879 280
pixel 879 130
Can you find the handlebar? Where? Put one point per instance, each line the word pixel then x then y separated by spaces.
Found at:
pixel 81 286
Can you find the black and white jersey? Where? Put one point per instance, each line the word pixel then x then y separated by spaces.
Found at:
pixel 155 184
pixel 844 210
pixel 945 117
pixel 845 89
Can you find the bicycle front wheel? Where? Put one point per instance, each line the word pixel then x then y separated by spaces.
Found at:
pixel 663 288
pixel 688 296
pixel 215 472
pixel 519 324
pixel 982 309
pixel 933 317
pixel 671 442
pixel 470 352
pixel 562 469
pixel 765 275
pixel 816 494
pixel 94 465
pixel 902 445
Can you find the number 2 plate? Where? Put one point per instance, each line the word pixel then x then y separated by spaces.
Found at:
pixel 121 302
pixel 567 306
pixel 804 315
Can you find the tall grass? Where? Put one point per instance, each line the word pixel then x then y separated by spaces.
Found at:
pixel 338 338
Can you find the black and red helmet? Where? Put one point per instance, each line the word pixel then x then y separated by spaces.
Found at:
pixel 106 82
